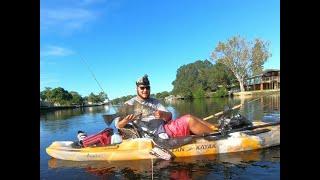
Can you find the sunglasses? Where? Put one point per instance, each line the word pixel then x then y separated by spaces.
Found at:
pixel 144 87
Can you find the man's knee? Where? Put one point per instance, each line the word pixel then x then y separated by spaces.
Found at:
pixel 187 116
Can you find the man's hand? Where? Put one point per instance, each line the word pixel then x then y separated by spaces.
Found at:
pixel 158 114
pixel 131 117
pixel 162 115
pixel 125 120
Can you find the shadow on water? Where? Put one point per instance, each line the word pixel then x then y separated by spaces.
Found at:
pixel 224 166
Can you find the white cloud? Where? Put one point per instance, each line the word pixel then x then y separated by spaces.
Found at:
pixel 65 19
pixel 55 51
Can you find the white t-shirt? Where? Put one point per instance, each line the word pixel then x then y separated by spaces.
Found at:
pixel 148 122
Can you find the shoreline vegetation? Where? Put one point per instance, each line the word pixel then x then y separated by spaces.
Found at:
pixel 44 108
pixel 259 92
pixel 170 98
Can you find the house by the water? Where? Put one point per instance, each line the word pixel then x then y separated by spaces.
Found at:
pixel 268 79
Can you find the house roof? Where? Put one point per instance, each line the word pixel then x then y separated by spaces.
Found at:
pixel 264 72
pixel 270 70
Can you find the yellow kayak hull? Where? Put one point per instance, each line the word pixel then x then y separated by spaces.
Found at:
pixel 138 149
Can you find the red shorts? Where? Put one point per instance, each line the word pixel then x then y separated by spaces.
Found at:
pixel 178 127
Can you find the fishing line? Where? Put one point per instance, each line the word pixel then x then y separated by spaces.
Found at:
pixel 87 65
pixel 152 168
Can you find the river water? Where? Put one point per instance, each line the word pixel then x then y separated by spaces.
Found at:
pixel 63 125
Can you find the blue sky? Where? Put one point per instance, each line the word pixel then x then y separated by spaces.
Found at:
pixel 121 40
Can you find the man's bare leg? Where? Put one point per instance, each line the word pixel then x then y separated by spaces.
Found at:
pixel 198 126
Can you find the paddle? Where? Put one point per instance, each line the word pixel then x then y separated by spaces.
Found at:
pixel 221 112
pixel 233 108
pixel 173 143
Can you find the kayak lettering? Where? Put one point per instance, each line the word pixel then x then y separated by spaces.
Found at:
pixel 205 146
pixel 93 155
pixel 178 149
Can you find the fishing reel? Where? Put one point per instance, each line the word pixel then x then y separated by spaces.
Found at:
pixel 231 120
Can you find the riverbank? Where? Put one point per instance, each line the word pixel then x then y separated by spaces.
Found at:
pixel 173 98
pixel 254 93
pixel 51 108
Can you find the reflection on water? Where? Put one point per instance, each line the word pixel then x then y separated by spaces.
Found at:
pixel 202 107
pixel 68 113
pixel 254 108
pixel 224 165
pixel 63 125
pixel 265 108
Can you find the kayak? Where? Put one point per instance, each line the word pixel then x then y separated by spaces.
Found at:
pixel 140 148
pixel 140 166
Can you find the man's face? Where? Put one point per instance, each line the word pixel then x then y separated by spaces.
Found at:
pixel 143 91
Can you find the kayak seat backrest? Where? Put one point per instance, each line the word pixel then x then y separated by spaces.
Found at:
pixel 129 133
pixel 102 138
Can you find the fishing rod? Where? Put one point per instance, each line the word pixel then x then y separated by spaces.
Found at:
pixel 87 65
pixel 235 107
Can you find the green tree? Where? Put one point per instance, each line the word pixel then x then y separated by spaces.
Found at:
pixel 191 77
pixel 241 57
pixel 61 96
pixel 122 99
pixel 93 98
pixel 46 94
pixel 220 75
pixel 85 99
pixel 162 95
pixel 76 98
pixel 198 93
pixel 102 96
pixel 200 78
pixel 221 92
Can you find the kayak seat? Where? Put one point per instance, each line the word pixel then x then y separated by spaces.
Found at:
pixel 128 133
pixel 102 138
pixel 76 145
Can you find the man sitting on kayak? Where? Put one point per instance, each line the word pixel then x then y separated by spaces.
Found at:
pixel 160 122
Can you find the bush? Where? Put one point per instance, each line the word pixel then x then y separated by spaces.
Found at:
pixel 198 93
pixel 221 92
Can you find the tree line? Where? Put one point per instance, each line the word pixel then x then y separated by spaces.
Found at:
pixel 121 100
pixel 63 97
pixel 199 79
